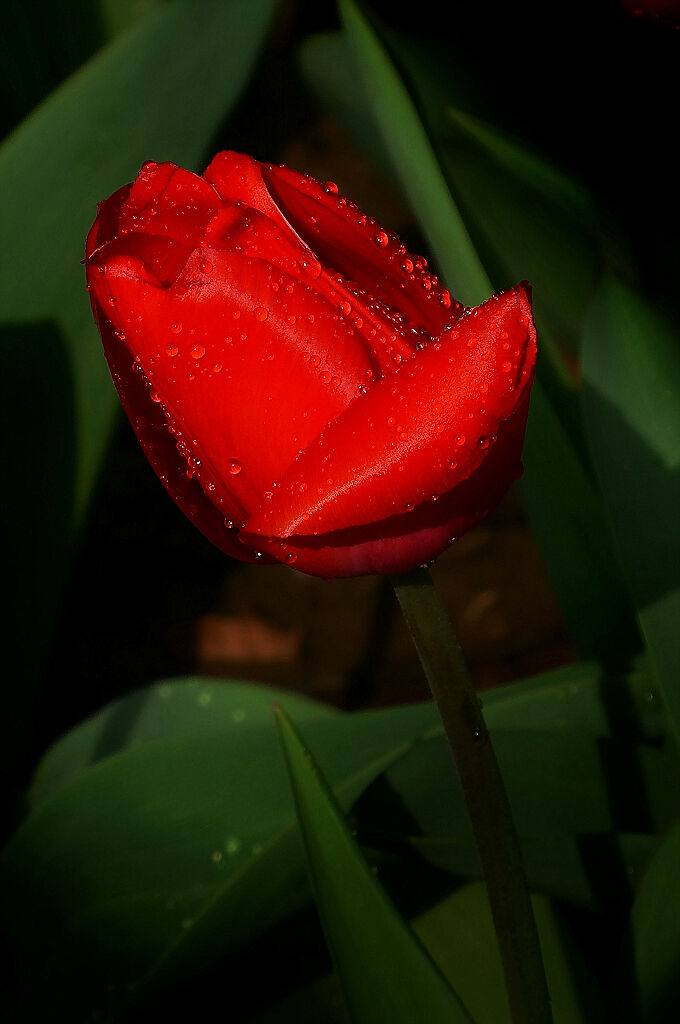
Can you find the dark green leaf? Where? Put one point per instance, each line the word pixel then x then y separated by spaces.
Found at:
pixel 651 953
pixel 143 868
pixel 460 935
pixel 386 975
pixel 631 367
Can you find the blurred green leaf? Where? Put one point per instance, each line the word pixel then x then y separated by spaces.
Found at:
pixel 567 518
pixel 460 935
pixel 161 835
pixel 168 710
pixel 414 161
pixel 179 847
pixel 631 368
pixel 386 975
pixel 587 806
pixel 563 504
pixel 159 90
pixel 651 952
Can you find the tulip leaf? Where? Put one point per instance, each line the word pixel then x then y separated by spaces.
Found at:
pixel 161 832
pixel 651 952
pixel 386 975
pixel 567 517
pixel 460 934
pixel 171 709
pixel 631 368
pixel 564 506
pixel 414 161
pixel 137 871
pixel 159 89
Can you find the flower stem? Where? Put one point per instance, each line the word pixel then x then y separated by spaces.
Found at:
pixel 485 795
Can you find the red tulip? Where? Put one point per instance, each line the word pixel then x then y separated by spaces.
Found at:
pixel 305 389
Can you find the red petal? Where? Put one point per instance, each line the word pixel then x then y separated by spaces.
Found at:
pixel 405 541
pixel 341 237
pixel 150 426
pixel 249 364
pixel 416 434
pixel 165 200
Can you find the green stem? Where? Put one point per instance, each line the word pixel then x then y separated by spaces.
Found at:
pixel 485 795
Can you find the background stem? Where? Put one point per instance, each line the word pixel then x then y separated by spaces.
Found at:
pixel 485 795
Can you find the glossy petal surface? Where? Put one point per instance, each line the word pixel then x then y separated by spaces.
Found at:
pixel 304 388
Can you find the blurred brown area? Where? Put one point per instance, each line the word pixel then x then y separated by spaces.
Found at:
pixel 344 641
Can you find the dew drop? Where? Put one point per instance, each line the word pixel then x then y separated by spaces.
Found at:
pixel 407 266
pixel 149 165
pixel 154 396
pixel 325 377
pixel 235 467
pixel 291 558
pixel 290 320
pixel 176 328
pixel 484 387
pixel 331 188
pixel 217 367
pixel 381 239
pixel 506 367
pixel 461 439
pixel 197 351
pixel 206 267
pixel 261 314
pixel 483 443
pixel 172 350
pixel 345 308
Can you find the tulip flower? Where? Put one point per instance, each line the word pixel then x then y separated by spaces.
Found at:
pixel 306 390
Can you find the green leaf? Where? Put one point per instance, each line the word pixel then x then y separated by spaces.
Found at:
pixel 651 953
pixel 459 933
pixel 631 368
pixel 568 520
pixel 570 791
pixel 414 161
pixel 171 709
pixel 387 977
pixel 141 869
pixel 159 90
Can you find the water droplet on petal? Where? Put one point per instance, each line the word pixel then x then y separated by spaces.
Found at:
pixel 331 188
pixel 176 328
pixel 291 557
pixel 381 238
pixel 506 367
pixel 172 350
pixel 206 266
pixel 235 467
pixel 461 439
pixel 197 351
pixel 261 314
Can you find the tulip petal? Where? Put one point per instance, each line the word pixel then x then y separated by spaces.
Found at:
pixel 416 434
pixel 246 382
pixel 160 447
pixel 404 541
pixel 340 236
